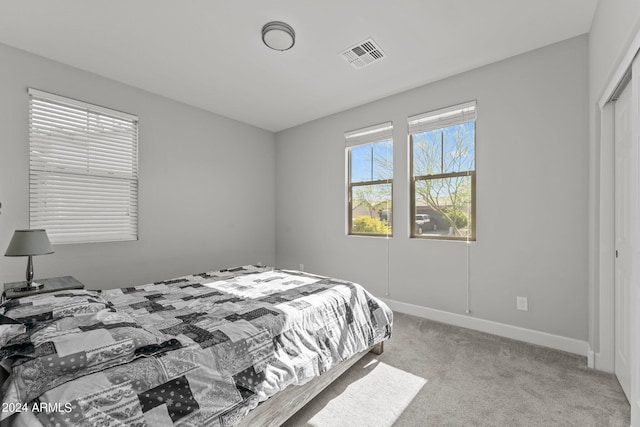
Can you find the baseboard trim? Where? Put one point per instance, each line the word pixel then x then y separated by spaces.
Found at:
pixel 531 336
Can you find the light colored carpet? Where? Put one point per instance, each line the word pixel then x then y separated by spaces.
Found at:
pixel 432 374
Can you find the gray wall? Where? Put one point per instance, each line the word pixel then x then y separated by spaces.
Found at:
pixel 206 183
pixel 532 197
pixel 207 186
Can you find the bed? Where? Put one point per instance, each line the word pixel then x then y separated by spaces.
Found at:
pixel 241 346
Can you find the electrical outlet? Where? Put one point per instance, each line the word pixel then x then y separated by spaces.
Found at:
pixel 522 303
pixel 301 267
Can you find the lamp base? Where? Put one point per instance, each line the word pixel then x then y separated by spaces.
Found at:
pixel 34 285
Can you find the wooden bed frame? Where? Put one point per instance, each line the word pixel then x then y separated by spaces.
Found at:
pixel 280 407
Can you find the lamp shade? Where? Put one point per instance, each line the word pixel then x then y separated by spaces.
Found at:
pixel 29 243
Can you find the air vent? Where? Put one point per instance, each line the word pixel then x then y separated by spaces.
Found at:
pixel 363 54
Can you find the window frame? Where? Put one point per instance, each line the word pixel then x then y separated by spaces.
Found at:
pixel 471 237
pixel 62 131
pixel 385 131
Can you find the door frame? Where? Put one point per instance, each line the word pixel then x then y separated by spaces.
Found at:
pixel 602 237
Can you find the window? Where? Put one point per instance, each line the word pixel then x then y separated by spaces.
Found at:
pixel 370 180
pixel 83 170
pixel 443 175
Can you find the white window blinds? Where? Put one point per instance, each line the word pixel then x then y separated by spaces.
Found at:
pixel 83 170
pixel 442 118
pixel 368 135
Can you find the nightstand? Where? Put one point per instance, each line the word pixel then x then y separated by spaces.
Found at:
pixel 13 290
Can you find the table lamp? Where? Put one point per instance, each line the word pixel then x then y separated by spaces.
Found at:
pixel 29 243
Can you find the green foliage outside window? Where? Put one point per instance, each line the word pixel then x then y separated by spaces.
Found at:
pixel 367 224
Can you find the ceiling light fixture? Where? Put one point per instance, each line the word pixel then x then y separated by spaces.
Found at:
pixel 278 35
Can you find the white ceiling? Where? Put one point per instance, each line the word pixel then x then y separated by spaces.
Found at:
pixel 209 53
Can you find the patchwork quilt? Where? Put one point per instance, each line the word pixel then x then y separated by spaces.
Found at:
pixel 200 350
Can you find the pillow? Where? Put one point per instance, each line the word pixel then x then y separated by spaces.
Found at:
pixel 53 305
pixel 9 328
pixel 55 352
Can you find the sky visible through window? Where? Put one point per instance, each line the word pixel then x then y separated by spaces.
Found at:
pixel 447 150
pixel 372 162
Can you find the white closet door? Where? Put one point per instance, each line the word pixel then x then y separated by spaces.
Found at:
pixel 623 197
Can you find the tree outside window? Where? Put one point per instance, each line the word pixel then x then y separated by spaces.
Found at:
pixel 442 148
